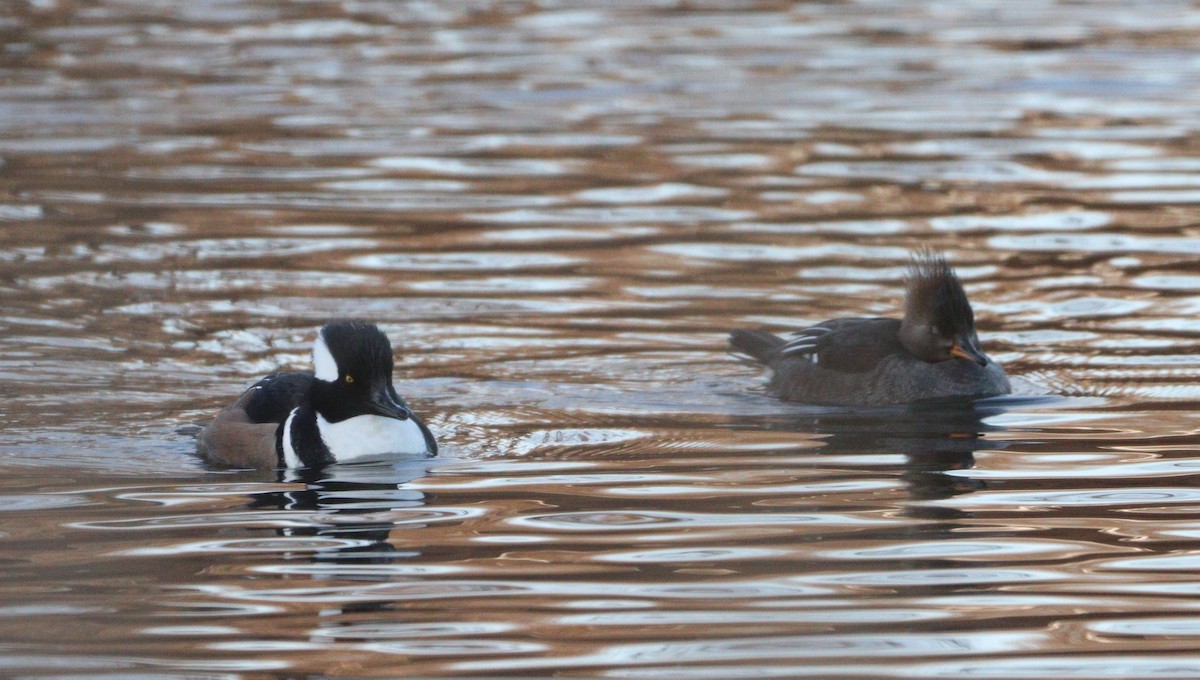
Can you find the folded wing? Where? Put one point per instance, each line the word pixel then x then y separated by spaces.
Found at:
pixel 854 345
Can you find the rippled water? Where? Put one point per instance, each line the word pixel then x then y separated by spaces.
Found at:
pixel 556 211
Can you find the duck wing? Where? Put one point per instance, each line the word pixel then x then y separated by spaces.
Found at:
pixel 244 433
pixel 271 399
pixel 854 345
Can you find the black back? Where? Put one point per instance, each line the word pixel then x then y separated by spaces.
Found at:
pixel 271 399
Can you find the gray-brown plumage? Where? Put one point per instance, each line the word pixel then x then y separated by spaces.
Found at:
pixel 932 353
pixel 244 434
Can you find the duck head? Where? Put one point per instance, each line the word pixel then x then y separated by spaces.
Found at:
pixel 353 361
pixel 938 324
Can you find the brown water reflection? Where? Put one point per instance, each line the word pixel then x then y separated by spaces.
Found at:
pixel 556 211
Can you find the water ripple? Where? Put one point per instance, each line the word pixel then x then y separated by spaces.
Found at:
pixel 406 631
pixel 460 261
pixel 674 555
pixel 297 545
pixel 733 618
pixel 785 647
pixel 36 502
pixel 440 589
pixel 1021 501
pixel 455 648
pixel 674 521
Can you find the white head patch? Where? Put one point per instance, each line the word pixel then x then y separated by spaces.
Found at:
pixel 323 361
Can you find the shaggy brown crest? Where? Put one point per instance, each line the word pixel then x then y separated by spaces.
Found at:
pixel 934 293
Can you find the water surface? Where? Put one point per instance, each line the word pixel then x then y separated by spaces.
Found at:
pixel 556 211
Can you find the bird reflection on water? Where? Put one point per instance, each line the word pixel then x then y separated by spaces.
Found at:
pixel 356 499
pixel 935 437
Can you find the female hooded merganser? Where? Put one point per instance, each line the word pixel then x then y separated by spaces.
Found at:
pixel 347 411
pixel 932 353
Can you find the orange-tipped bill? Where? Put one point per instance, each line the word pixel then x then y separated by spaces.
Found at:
pixel 965 349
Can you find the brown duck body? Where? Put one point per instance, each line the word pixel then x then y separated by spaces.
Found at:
pixel 245 434
pixel 932 353
pixel 878 372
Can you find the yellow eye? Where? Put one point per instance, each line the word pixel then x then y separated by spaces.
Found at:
pixel 349 378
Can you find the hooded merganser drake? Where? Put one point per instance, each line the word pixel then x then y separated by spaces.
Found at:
pixel 347 411
pixel 933 353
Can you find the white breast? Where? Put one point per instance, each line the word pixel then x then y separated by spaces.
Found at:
pixel 370 437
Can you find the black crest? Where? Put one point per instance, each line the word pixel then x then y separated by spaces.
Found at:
pixel 359 347
pixel 935 294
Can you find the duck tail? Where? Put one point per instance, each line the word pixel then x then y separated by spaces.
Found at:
pixel 761 345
